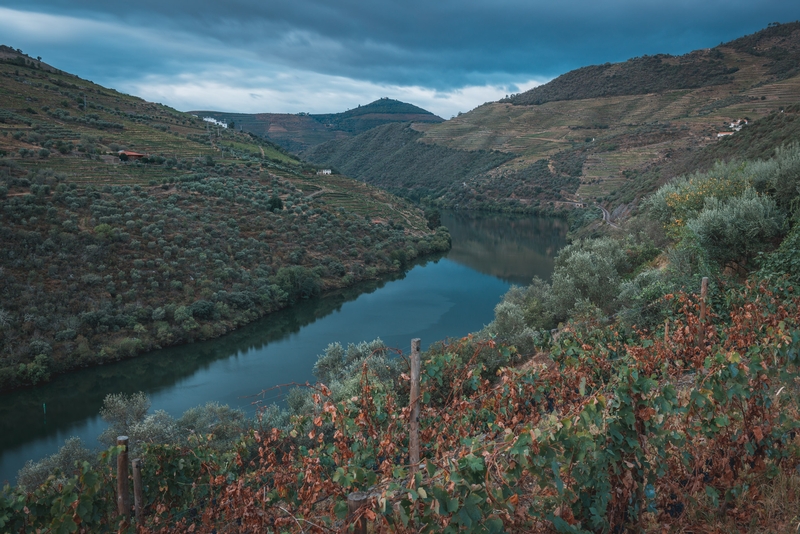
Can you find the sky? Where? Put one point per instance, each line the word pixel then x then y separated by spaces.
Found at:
pixel 327 56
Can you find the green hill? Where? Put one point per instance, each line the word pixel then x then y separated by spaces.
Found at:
pixel 605 134
pixel 201 230
pixel 390 157
pixel 297 132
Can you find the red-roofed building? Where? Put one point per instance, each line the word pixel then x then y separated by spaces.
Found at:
pixel 129 155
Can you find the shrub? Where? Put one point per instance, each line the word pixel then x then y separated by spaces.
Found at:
pixel 122 412
pixel 34 474
pixel 734 231
pixel 221 421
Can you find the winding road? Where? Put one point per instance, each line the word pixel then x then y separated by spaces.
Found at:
pixel 606 216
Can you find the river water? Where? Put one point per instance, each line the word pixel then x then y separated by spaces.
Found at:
pixel 438 298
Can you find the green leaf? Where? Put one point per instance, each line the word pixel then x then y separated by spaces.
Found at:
pixel 403 514
pixel 340 509
pixel 464 518
pixel 713 494
pixel 494 524
pixel 452 505
pixel 557 475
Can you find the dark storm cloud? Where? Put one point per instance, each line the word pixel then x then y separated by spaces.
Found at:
pixel 440 44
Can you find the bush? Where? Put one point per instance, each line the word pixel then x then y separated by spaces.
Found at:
pixel 518 317
pixel 734 231
pixel 34 474
pixel 122 412
pixel 587 269
pixel 785 261
pixel 221 421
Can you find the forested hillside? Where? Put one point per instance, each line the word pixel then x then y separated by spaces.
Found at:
pixel 390 157
pixel 187 233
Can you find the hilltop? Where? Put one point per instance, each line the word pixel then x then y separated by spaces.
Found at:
pixel 303 130
pixel 605 134
pixel 128 225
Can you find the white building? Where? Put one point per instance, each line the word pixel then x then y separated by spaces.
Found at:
pixel 214 121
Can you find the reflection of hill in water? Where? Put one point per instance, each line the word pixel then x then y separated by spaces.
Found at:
pixel 513 249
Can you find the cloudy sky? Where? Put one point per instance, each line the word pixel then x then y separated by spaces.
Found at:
pixel 323 56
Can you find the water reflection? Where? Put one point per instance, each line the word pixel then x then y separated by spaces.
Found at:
pixel 514 249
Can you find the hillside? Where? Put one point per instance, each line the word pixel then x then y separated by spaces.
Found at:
pixel 297 132
pixel 200 230
pixel 607 134
pixel 389 157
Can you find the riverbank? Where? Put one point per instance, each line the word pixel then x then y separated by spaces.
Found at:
pixel 207 297
pixel 437 298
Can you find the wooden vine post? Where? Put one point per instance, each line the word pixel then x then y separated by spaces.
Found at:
pixel 123 493
pixel 700 326
pixel 413 438
pixel 138 497
pixel 355 501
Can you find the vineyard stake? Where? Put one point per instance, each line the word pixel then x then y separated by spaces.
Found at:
pixel 413 438
pixel 138 498
pixel 666 332
pixel 703 295
pixel 355 501
pixel 123 494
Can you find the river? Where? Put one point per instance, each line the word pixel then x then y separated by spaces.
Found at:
pixel 447 296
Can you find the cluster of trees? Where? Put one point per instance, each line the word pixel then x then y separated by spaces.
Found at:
pixel 527 189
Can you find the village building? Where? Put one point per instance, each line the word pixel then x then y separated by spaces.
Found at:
pixel 129 155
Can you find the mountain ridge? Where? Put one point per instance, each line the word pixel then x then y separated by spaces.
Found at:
pixel 300 131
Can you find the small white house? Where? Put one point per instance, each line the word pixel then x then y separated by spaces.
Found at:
pixel 214 121
pixel 324 171
pixel 738 124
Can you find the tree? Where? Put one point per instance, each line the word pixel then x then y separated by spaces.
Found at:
pixel 732 232
pixel 434 218
pixel 275 203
